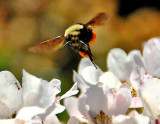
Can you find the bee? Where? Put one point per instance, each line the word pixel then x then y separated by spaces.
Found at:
pixel 77 36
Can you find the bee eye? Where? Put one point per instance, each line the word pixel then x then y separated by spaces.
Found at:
pixel 70 36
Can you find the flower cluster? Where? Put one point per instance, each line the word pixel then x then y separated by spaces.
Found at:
pixel 33 103
pixel 128 93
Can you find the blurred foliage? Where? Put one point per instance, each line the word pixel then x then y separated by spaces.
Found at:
pixel 23 23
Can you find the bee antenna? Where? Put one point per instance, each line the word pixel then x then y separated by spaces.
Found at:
pixel 65 45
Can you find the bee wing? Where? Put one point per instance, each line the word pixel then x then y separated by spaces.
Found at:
pixel 48 45
pixel 97 20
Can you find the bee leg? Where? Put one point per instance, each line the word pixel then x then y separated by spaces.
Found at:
pixel 88 52
pixel 65 44
pixel 91 57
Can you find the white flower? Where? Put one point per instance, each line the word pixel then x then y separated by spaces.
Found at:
pixel 148 89
pixel 39 92
pixel 37 97
pixel 150 62
pixel 87 74
pixel 95 104
pixel 120 64
pixel 36 115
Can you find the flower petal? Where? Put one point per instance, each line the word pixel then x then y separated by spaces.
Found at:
pixel 73 120
pixel 133 119
pixel 71 105
pixel 90 74
pixel 51 119
pixel 84 108
pixel 85 62
pixel 108 79
pixel 11 121
pixel 26 113
pixel 136 77
pixel 71 92
pixel 10 95
pixel 120 64
pixel 150 95
pixel 136 103
pixel 139 60
pixel 39 92
pixel 116 61
pixel 130 63
pixel 121 102
pixel 80 82
pixel 152 57
pixel 96 100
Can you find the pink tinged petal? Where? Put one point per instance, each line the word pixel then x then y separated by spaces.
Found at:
pixel 108 79
pixel 136 77
pixel 73 120
pixel 85 62
pixel 122 101
pixel 123 98
pixel 71 92
pixel 39 92
pixel 84 108
pixel 96 99
pixel 136 103
pixel 71 105
pixel 152 57
pixel 10 95
pixel 90 74
pixel 83 85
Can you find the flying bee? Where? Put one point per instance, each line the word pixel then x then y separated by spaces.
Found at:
pixel 77 36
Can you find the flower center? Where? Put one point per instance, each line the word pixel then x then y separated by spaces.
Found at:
pixel 134 92
pixel 102 118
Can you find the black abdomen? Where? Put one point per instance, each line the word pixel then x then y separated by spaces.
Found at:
pixel 85 34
